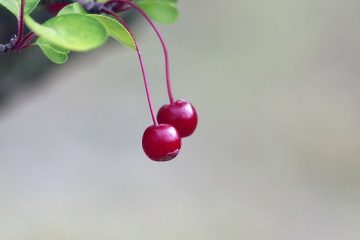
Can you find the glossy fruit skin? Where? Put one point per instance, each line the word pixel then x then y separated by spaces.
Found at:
pixel 54 8
pixel 180 114
pixel 161 142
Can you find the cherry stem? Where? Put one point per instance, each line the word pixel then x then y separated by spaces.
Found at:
pixel 166 55
pixel 146 83
pixel 21 23
pixel 25 43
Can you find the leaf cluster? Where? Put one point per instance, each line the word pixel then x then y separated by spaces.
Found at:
pixel 74 29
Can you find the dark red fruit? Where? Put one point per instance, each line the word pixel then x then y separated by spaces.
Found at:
pixel 54 8
pixel 161 142
pixel 180 114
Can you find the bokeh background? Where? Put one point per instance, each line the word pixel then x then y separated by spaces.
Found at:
pixel 276 155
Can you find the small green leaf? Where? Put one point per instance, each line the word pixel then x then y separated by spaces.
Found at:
pixel 57 48
pixel 14 6
pixel 115 30
pixel 72 8
pixel 162 11
pixel 52 54
pixel 77 32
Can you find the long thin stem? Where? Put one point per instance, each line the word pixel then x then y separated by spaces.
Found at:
pixel 21 22
pixel 146 83
pixel 26 42
pixel 166 55
pixel 26 39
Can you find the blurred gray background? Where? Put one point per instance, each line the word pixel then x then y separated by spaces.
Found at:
pixel 276 155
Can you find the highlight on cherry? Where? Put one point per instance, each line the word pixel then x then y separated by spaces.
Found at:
pixel 84 25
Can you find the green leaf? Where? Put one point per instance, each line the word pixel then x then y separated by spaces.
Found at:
pixel 52 54
pixel 72 8
pixel 115 30
pixel 46 42
pixel 57 48
pixel 14 6
pixel 77 32
pixel 55 53
pixel 162 11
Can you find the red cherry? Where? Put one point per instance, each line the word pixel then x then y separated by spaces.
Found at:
pixel 161 142
pixel 180 114
pixel 54 8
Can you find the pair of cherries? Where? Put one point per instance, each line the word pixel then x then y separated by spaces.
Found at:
pixel 162 142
